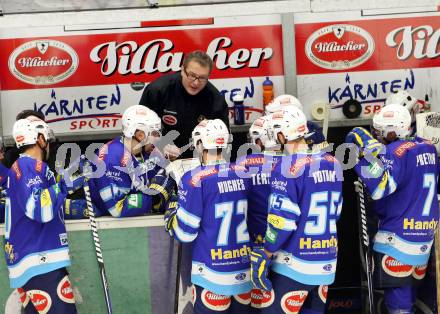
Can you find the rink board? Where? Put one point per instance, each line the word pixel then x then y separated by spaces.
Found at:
pixel 138 256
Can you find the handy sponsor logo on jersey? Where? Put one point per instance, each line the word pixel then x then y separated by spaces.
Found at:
pixel 220 254
pixel 292 301
pixel 215 302
pixel 244 298
pixel 309 243
pixel 43 62
pixel 261 298
pixel 65 291
pixel 339 46
pixel 394 268
pixel 41 300
pixel 419 272
pixel 412 224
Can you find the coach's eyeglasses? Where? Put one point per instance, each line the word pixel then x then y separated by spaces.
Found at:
pixel 192 77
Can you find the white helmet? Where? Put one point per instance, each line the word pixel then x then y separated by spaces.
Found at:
pixel 403 98
pixel 141 118
pixel 260 129
pixel 393 118
pixel 283 102
pixel 292 124
pixel 212 133
pixel 26 131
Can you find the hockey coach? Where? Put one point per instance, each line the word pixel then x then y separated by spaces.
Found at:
pixel 185 98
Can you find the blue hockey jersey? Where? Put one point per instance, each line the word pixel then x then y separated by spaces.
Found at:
pixel 211 213
pixel 259 167
pixel 35 235
pixel 405 194
pixel 304 206
pixel 122 190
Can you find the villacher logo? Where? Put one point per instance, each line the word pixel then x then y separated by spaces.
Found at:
pixel 339 47
pixel 43 62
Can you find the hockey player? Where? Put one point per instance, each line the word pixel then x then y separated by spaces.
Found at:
pixel 211 213
pixel 285 103
pixel 132 187
pixel 259 167
pixel 298 261
pixel 36 246
pixel 403 184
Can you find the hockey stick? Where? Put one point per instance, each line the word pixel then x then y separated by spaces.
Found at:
pixel 365 242
pixel 97 242
pixel 177 169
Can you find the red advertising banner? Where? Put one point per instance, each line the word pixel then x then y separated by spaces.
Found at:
pixel 121 58
pixel 368 45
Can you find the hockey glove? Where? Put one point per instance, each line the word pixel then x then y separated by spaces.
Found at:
pixel 260 263
pixel 74 177
pixel 71 183
pixel 366 143
pixel 162 185
pixel 170 214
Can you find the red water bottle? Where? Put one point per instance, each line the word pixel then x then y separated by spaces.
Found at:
pixel 267 91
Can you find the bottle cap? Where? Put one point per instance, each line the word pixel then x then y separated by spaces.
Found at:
pixel 267 82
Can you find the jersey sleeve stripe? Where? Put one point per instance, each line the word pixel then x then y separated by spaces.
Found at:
pixel 183 236
pixel 188 218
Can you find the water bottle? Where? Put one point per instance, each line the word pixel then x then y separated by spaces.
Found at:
pixel 267 91
pixel 238 109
